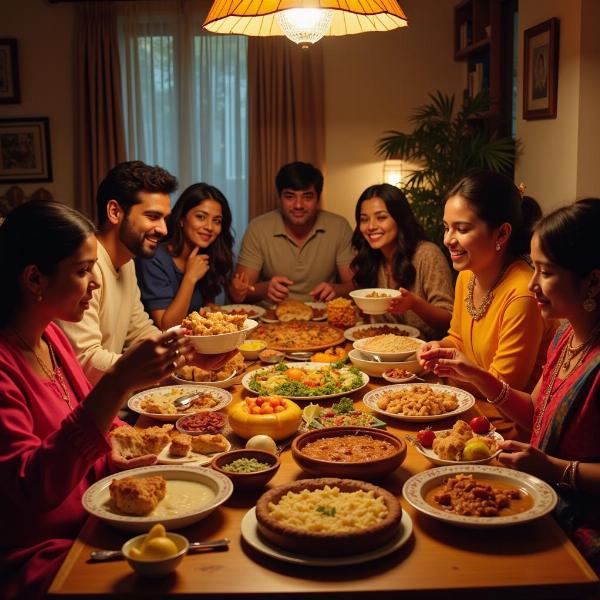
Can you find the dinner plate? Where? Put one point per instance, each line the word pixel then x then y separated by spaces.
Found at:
pixel 97 502
pixel 251 537
pixel 543 496
pixel 223 398
pixel 465 401
pixel 410 331
pixel 252 310
pixel 436 460
pixel 192 458
pixel 304 365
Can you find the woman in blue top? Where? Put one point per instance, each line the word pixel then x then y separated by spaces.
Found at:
pixel 192 265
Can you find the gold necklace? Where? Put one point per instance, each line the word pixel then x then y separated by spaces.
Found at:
pixel 537 427
pixel 573 351
pixel 478 313
pixel 54 375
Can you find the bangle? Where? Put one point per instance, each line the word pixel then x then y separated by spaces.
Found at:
pixel 501 397
pixel 562 482
pixel 568 479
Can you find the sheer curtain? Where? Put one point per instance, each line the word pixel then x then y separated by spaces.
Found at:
pixel 185 98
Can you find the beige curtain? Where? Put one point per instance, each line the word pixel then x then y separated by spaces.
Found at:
pixel 286 113
pixel 100 131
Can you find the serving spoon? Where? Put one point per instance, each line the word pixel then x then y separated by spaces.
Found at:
pixel 302 356
pixel 183 402
pixel 99 555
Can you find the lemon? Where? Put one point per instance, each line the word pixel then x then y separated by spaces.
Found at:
pixel 157 530
pixel 311 412
pixel 158 548
pixel 476 449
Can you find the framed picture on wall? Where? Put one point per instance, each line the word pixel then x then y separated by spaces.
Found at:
pixel 25 150
pixel 540 72
pixel 10 92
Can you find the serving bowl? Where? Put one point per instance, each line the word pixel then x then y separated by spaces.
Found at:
pixel 250 349
pixel 193 424
pixel 220 342
pixel 388 356
pixel 374 305
pixel 376 369
pixel 159 567
pixel 250 480
pixel 366 470
pixel 323 543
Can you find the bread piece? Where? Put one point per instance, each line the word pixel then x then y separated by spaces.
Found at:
pixel 128 441
pixel 208 444
pixel 180 445
pixel 138 496
pixel 293 310
pixel 156 438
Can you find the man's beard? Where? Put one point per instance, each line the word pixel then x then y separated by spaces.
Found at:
pixel 134 242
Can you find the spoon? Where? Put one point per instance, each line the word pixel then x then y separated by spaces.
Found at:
pixel 183 402
pixel 299 355
pixel 98 555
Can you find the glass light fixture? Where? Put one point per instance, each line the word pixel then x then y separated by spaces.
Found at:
pixel 392 172
pixel 278 17
pixel 305 26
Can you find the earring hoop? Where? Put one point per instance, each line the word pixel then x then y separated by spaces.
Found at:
pixel 498 247
pixel 39 297
pixel 589 304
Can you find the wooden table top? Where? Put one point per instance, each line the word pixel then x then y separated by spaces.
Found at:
pixel 536 559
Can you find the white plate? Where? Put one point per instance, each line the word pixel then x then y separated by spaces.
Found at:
pixel 306 365
pixel 544 497
pixel 320 306
pixel 192 458
pixel 410 331
pixel 252 310
pixel 222 397
pixel 223 383
pixel 436 460
pixel 96 499
pixel 250 536
pixel 465 401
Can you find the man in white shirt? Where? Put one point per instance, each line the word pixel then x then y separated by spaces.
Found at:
pixel 133 203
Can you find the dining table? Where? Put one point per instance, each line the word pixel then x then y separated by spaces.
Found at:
pixel 439 560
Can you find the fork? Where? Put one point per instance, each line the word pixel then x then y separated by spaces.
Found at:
pixel 414 441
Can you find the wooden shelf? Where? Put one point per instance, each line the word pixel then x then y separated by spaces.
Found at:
pixel 468 51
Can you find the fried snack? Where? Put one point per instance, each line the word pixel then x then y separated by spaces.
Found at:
pixel 131 442
pixel 341 312
pixel 138 496
pixel 450 445
pixel 199 375
pixel 213 323
pixel 181 444
pixel 293 310
pixel 417 400
pixel 208 444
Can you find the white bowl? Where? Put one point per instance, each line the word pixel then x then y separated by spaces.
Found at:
pixel 252 354
pixel 160 567
pixel 221 342
pixel 398 379
pixel 376 369
pixel 373 306
pixel 97 502
pixel 387 356
pixel 223 383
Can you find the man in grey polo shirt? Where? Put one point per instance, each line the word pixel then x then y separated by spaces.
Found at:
pixel 297 251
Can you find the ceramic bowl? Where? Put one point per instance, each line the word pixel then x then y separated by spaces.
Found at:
pixel 374 305
pixel 387 356
pixel 250 349
pixel 221 342
pixel 366 470
pixel 190 424
pixel 376 369
pixel 390 376
pixel 160 567
pixel 248 481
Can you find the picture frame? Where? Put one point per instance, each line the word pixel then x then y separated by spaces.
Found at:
pixel 10 91
pixel 25 150
pixel 540 70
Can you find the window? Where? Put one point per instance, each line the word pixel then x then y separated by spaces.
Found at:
pixel 185 102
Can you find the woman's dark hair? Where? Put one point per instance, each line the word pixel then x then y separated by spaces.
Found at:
pixel 367 261
pixel 569 236
pixel 220 252
pixel 497 200
pixel 39 233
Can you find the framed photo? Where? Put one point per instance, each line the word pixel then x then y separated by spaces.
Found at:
pixel 25 150
pixel 540 85
pixel 10 92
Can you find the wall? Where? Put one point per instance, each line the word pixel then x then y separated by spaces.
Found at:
pixel 44 35
pixel 373 81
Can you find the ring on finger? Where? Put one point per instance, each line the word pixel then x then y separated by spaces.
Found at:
pixel 174 365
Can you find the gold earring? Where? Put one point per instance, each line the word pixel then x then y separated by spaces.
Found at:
pixel 498 247
pixel 39 297
pixel 589 304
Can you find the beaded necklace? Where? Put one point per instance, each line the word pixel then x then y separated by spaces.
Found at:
pixel 478 313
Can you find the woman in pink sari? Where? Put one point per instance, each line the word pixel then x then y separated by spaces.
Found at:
pixel 563 412
pixel 53 441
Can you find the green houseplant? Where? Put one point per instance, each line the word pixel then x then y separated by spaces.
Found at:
pixel 444 145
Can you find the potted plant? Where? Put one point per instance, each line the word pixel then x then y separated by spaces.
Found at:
pixel 445 145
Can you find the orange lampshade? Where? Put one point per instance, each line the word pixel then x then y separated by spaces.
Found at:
pixel 273 17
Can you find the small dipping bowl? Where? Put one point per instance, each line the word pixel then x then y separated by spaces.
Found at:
pixel 398 375
pixel 271 356
pixel 201 422
pixel 160 567
pixel 254 479
pixel 250 349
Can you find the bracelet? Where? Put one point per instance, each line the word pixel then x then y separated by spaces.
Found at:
pixel 568 478
pixel 501 397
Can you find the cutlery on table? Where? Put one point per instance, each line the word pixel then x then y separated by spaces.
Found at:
pixel 99 555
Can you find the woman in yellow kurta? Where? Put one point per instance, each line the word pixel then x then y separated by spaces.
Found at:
pixel 495 321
